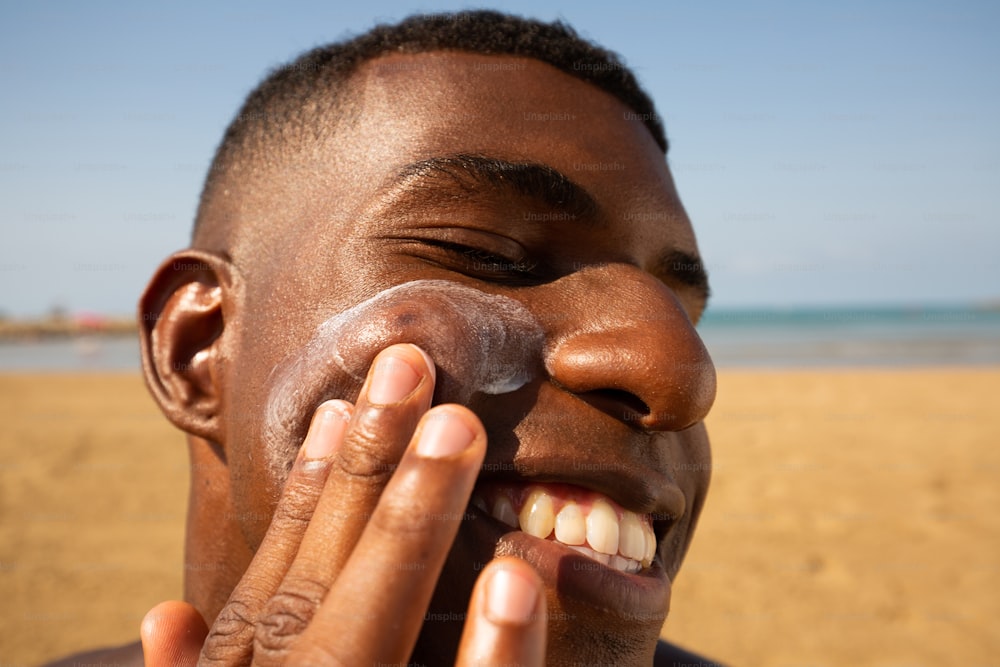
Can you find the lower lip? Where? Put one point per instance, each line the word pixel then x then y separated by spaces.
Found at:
pixel 640 597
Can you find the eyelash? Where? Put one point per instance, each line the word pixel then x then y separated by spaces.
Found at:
pixel 488 262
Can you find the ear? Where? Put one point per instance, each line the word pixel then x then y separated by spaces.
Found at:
pixel 183 316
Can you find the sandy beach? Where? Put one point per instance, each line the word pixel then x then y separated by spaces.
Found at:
pixel 852 520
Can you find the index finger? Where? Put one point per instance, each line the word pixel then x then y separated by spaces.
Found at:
pixel 506 622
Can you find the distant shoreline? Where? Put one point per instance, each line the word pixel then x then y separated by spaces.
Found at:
pixel 54 328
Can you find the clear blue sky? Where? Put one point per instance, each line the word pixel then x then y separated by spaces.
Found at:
pixel 828 153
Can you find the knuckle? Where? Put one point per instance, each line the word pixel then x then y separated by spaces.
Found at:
pixel 230 633
pixel 285 617
pixel 365 454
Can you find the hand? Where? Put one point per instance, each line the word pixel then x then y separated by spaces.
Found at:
pixel 345 573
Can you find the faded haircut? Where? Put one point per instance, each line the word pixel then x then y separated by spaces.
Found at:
pixel 296 101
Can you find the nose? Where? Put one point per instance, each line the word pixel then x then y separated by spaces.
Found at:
pixel 627 347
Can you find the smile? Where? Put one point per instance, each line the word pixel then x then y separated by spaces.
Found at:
pixel 587 522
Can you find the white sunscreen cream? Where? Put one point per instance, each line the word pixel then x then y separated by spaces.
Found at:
pixel 479 342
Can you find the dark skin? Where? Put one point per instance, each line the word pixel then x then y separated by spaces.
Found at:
pixel 348 569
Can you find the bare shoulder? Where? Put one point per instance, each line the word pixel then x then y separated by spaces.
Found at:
pixel 127 655
pixel 669 655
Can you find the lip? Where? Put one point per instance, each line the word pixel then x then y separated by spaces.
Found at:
pixel 642 597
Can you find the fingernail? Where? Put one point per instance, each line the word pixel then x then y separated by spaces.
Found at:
pixel 327 431
pixel 427 360
pixel 510 597
pixel 393 378
pixel 443 434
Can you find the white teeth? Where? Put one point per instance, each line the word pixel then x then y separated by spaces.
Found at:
pixel 625 564
pixel 537 516
pixel 602 528
pixel 617 562
pixel 503 511
pixel 603 559
pixel 570 525
pixel 631 540
pixel 627 544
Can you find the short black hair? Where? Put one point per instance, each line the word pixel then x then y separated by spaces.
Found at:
pixel 289 97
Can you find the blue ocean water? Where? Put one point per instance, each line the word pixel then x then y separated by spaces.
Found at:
pixel 895 336
pixel 891 336
pixel 80 354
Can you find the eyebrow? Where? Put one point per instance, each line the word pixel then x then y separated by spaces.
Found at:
pixel 468 173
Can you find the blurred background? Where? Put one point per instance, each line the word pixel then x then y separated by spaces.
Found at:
pixel 840 164
pixel 840 161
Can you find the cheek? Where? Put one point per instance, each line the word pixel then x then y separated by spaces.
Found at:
pixel 480 343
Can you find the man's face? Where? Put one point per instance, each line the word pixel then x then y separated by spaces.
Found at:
pixel 619 382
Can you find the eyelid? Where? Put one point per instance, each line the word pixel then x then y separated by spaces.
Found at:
pixel 471 238
pixel 487 260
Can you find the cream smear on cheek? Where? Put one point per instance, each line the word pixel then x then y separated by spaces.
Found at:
pixel 480 343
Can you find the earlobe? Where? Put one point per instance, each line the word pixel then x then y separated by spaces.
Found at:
pixel 183 315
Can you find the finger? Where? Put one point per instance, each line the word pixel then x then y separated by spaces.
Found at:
pixel 506 623
pixel 397 392
pixel 230 640
pixel 172 634
pixel 381 596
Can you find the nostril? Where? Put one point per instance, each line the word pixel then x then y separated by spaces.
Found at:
pixel 622 405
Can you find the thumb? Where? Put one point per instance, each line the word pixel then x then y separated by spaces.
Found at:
pixel 172 635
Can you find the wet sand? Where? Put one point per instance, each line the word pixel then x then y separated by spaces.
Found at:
pixel 853 518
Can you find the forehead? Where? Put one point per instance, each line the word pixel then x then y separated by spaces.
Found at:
pixel 406 108
pixel 502 103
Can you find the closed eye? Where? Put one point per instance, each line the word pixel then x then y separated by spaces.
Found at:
pixel 480 261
